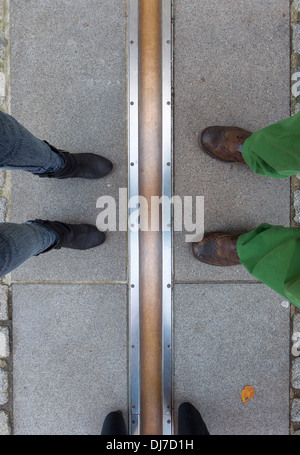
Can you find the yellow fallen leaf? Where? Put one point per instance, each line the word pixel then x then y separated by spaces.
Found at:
pixel 248 393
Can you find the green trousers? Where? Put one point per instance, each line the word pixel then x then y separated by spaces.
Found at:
pixel 275 151
pixel 272 253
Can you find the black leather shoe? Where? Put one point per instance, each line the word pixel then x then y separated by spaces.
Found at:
pixel 80 165
pixel 74 236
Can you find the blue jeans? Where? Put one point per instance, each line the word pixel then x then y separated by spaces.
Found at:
pixel 20 150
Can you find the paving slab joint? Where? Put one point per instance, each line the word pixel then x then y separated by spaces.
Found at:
pixel 6 362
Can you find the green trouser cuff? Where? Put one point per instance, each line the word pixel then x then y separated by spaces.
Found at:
pixel 275 151
pixel 272 255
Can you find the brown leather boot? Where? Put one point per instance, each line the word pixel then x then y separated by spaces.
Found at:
pixel 217 248
pixel 224 143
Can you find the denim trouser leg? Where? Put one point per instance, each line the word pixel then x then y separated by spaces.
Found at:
pixel 19 242
pixel 21 150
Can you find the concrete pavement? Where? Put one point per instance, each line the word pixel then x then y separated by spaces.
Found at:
pixel 231 68
pixel 68 68
pixel 68 79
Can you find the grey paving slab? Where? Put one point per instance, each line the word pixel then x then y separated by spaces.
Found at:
pixel 296 410
pixel 68 72
pixel 231 68
pixel 3 303
pixel 4 426
pixel 70 357
pixel 228 337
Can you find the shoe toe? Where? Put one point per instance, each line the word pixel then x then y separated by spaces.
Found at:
pixel 199 250
pixel 104 166
pixel 205 138
pixel 90 237
pixel 99 238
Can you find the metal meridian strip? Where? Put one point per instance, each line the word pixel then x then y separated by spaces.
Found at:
pixel 167 187
pixel 133 235
pixel 150 250
pixel 150 153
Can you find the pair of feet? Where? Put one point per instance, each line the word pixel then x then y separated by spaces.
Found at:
pixel 190 423
pixel 81 165
pixel 224 144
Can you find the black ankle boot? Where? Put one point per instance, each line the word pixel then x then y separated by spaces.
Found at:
pixel 75 236
pixel 80 165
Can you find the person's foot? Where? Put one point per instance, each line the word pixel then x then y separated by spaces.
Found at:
pixel 224 143
pixel 80 165
pixel 217 248
pixel 74 236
